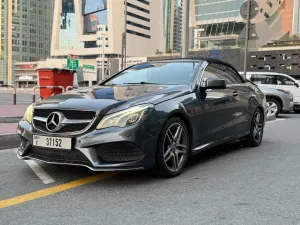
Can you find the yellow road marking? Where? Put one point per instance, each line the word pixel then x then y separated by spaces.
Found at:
pixel 52 190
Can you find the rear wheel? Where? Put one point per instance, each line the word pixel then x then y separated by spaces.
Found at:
pixel 256 131
pixel 274 107
pixel 173 148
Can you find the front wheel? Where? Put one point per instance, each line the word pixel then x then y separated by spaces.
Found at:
pixel 173 148
pixel 257 129
pixel 273 106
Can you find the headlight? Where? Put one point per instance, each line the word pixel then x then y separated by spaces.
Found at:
pixel 284 91
pixel 126 117
pixel 28 114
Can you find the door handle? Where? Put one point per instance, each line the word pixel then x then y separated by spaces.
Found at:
pixel 235 93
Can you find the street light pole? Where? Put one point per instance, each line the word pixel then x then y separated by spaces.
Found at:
pixel 185 29
pixel 103 77
pixel 125 34
pixel 124 37
pixel 103 55
pixel 247 38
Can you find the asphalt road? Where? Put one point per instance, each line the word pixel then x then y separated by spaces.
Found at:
pixel 226 185
pixel 22 98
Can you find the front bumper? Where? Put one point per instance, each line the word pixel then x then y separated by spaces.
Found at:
pixel 112 149
pixel 289 106
pixel 296 106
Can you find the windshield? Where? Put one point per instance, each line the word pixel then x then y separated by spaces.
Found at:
pixel 166 73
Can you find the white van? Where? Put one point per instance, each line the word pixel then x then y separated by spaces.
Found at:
pixel 279 81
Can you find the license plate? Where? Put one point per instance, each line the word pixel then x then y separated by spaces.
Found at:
pixel 52 142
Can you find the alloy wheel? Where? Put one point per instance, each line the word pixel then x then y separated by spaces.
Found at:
pixel 257 126
pixel 272 108
pixel 175 147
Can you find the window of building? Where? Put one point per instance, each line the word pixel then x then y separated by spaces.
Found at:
pixel 266 15
pixel 15 49
pixel 90 6
pixel 138 25
pixel 138 16
pixel 138 34
pixel 91 21
pixel 137 8
pixel 144 1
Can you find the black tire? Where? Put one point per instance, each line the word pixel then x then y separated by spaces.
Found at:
pixel 275 101
pixel 163 168
pixel 253 139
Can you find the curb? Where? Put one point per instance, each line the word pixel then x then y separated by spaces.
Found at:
pixel 8 141
pixel 16 119
pixel 271 118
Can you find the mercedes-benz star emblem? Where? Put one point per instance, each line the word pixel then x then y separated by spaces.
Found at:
pixel 54 120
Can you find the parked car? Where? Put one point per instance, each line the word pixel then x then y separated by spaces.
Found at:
pixel 153 115
pixel 278 81
pixel 278 100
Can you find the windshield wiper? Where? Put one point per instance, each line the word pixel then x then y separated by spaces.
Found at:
pixel 142 82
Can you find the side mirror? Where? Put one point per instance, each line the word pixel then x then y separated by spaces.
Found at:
pixel 296 84
pixel 213 83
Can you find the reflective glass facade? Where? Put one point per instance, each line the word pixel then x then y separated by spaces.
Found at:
pixel 68 34
pixel 172 25
pixel 217 9
pixel 30 29
pixel 90 6
pixel 94 13
pixel 219 22
pixel 91 21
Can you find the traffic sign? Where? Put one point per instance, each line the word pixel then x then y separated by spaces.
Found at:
pixel 88 67
pixel 72 64
pixel 253 9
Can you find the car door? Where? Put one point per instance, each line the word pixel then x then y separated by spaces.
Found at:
pixel 218 108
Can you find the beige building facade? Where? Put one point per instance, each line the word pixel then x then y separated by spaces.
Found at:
pixel 90 28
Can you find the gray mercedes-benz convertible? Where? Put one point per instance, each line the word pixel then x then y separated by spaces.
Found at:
pixel 153 115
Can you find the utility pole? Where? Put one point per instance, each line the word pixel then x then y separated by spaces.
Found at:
pixel 185 29
pixel 247 38
pixel 124 37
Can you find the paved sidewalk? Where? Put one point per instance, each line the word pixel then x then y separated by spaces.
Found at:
pixel 8 128
pixel 12 110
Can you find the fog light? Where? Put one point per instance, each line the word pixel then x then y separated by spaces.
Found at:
pixel 24 148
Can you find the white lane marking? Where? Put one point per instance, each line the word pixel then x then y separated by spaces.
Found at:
pixel 39 172
pixel 277 120
pixel 9 150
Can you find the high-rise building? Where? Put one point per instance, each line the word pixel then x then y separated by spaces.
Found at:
pixel 220 24
pixel 172 25
pixel 93 29
pixel 89 28
pixel 25 34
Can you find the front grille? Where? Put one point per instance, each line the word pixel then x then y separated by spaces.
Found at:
pixel 66 129
pixel 119 152
pixel 69 114
pixel 60 156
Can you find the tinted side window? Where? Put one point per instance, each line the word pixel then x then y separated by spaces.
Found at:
pixel 282 80
pixel 264 79
pixel 211 72
pixel 222 72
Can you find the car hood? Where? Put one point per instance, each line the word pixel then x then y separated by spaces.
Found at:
pixel 109 99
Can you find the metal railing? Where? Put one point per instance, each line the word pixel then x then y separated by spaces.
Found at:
pixel 14 91
pixel 40 87
pixel 71 87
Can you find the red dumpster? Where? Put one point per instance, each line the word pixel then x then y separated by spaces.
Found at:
pixel 54 77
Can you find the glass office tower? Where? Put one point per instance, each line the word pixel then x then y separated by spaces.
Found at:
pixel 25 34
pixel 172 25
